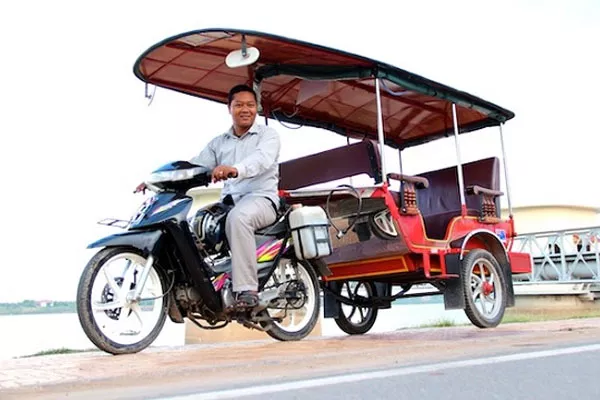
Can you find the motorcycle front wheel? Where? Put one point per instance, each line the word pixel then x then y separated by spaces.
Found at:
pixel 110 317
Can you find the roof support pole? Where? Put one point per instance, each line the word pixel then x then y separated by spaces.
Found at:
pixel 461 181
pixel 348 143
pixel 400 160
pixel 380 130
pixel 505 172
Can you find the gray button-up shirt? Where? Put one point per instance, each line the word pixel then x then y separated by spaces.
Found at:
pixel 256 157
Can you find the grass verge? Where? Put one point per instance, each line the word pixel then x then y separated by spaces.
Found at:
pixel 440 323
pixel 516 315
pixel 62 350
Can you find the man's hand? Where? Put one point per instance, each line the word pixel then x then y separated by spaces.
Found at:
pixel 141 188
pixel 223 172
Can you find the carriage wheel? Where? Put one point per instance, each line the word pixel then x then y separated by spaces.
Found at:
pixel 356 320
pixel 484 287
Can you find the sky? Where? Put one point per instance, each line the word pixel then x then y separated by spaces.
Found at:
pixel 78 133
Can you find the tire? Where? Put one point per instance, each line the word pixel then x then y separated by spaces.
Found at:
pixel 94 324
pixel 368 318
pixel 476 263
pixel 312 302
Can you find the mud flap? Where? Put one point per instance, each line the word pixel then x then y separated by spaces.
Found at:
pixel 454 297
pixel 383 290
pixel 330 304
pixel 510 291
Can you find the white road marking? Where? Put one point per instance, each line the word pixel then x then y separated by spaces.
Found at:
pixel 357 377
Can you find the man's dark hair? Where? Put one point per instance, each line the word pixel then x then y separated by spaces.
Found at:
pixel 238 89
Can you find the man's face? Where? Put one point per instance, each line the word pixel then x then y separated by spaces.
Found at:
pixel 243 109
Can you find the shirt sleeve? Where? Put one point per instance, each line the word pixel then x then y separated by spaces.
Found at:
pixel 207 158
pixel 263 158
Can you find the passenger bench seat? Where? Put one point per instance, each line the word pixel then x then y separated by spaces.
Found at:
pixel 441 201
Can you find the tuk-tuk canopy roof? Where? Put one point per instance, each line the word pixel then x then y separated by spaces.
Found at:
pixel 312 85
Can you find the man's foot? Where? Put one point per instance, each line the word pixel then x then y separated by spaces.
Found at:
pixel 246 300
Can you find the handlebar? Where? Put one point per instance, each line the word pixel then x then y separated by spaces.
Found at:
pixel 185 176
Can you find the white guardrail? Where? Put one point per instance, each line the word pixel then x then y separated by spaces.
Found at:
pixel 571 255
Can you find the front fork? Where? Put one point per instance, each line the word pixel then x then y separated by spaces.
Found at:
pixel 139 287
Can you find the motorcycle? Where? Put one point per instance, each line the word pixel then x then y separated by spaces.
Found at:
pixel 167 262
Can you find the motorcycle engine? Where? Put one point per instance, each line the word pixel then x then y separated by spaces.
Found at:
pixel 188 297
pixel 208 228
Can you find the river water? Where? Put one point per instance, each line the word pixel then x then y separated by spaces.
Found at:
pixel 22 335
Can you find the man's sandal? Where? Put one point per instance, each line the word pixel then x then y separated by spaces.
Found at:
pixel 245 301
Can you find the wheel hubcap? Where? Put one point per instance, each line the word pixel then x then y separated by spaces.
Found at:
pixel 487 288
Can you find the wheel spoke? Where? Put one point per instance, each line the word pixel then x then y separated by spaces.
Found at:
pixel 347 284
pixel 128 278
pixel 137 311
pixel 487 301
pixel 476 293
pixel 281 272
pixel 112 283
pixel 352 312
pixel 482 272
pixel 482 302
pixel 356 288
pixel 97 306
pixel 120 325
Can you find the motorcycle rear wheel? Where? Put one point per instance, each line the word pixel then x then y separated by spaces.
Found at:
pixel 113 325
pixel 308 311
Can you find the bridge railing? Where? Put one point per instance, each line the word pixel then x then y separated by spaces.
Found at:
pixel 571 255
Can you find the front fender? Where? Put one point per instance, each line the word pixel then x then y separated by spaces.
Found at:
pixel 142 240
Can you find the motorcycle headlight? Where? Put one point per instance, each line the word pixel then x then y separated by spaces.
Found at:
pixel 175 175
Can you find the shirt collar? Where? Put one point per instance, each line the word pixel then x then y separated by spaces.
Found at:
pixel 253 130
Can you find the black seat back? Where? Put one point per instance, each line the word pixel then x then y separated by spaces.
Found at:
pixel 443 195
pixel 341 162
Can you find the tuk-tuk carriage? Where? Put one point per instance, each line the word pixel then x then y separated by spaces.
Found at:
pixel 442 227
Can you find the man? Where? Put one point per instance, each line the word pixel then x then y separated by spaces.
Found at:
pixel 248 153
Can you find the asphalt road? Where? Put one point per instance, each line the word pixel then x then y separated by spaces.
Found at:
pixel 561 373
pixel 548 360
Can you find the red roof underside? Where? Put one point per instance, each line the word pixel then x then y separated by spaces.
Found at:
pixel 195 64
